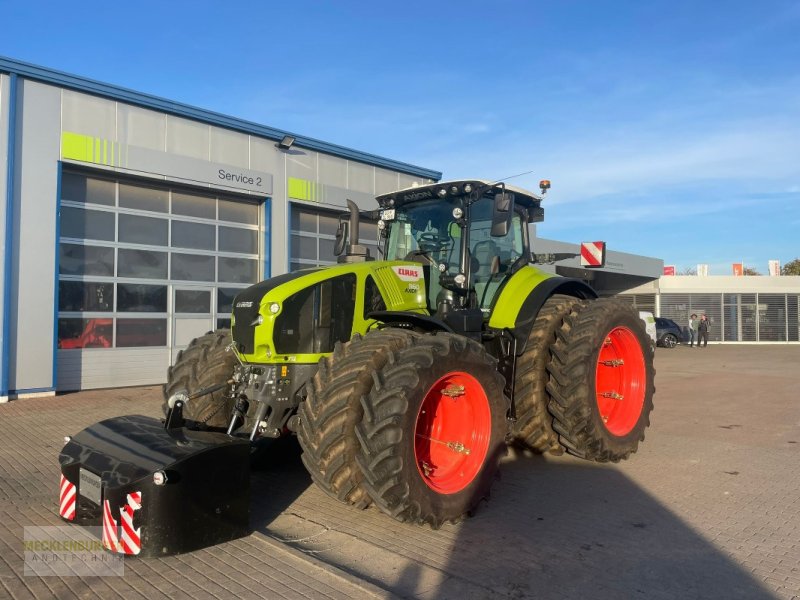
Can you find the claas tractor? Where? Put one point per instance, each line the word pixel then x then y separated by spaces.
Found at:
pixel 405 377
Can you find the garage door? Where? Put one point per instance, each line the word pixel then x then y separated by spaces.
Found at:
pixel 141 268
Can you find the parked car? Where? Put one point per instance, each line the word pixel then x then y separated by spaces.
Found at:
pixel 650 327
pixel 668 333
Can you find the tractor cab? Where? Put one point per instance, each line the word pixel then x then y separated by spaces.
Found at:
pixel 469 236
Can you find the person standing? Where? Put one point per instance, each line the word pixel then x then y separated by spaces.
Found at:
pixel 693 326
pixel 702 330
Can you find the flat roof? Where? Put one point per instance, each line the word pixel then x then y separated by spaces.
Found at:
pixel 107 90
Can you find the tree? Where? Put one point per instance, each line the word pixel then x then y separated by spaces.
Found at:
pixel 750 271
pixel 791 268
pixel 688 271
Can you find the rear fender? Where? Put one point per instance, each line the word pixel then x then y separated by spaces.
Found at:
pixel 525 294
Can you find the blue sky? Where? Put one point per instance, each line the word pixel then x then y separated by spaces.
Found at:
pixel 670 129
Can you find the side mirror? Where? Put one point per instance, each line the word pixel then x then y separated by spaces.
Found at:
pixel 341 237
pixel 502 213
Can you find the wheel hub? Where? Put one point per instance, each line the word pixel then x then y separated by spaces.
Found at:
pixel 452 432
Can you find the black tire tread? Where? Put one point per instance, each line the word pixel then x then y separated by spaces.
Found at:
pixel 534 427
pixel 381 435
pixel 203 363
pixel 332 409
pixel 571 369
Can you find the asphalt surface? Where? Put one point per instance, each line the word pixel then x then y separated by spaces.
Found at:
pixel 708 508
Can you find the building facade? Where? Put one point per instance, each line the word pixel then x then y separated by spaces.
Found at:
pixel 741 309
pixel 129 222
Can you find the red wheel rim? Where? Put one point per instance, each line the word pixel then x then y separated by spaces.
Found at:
pixel 452 433
pixel 620 381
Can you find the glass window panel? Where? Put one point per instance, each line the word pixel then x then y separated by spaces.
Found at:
pixel 192 267
pixel 328 224
pixel 87 224
pixel 235 239
pixel 304 247
pixel 240 212
pixel 136 297
pixel 748 317
pixel 304 220
pixel 238 270
pixel 193 301
pixel 326 249
pixel 134 229
pixel 224 323
pixel 142 264
pixel 225 298
pixel 85 296
pixel 75 259
pixel 85 333
pixel 772 317
pixel 730 315
pixel 79 188
pixel 193 235
pixel 368 231
pixel 296 266
pixel 793 318
pixel 141 332
pixel 143 198
pixel 191 205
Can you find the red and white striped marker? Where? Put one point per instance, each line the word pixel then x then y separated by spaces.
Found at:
pixel 110 541
pixel 68 497
pixel 593 254
pixel 129 540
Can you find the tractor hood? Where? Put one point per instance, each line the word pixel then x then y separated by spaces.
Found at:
pixel 298 317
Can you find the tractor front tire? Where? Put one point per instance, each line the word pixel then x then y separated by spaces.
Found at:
pixel 204 363
pixel 534 427
pixel 332 409
pixel 433 430
pixel 601 381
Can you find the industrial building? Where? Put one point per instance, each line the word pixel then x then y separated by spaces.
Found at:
pixel 128 223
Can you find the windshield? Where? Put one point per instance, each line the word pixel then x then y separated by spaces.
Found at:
pixel 426 232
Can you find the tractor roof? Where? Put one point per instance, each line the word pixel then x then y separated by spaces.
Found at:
pixel 450 189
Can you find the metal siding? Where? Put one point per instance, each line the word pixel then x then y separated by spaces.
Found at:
pixel 230 147
pixel 361 177
pixel 89 115
pixel 5 203
pixel 101 368
pixel 264 156
pixel 90 86
pixel 187 138
pixel 332 170
pixel 35 229
pixel 141 127
pixel 386 181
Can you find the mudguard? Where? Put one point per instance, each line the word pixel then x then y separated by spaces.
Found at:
pixel 107 480
pixel 523 295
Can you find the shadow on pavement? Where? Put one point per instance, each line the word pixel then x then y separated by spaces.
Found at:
pixel 554 528
pixel 564 528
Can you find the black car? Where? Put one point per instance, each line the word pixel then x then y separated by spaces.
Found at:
pixel 668 333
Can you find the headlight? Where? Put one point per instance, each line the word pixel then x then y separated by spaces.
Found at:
pixel 274 308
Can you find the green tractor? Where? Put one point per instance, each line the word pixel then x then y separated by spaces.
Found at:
pixel 405 378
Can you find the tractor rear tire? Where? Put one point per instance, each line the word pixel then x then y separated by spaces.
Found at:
pixel 205 362
pixel 330 413
pixel 601 381
pixel 433 430
pixel 534 427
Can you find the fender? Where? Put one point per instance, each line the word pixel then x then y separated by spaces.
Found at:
pixel 424 322
pixel 517 310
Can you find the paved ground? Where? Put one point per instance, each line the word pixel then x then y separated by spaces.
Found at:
pixel 708 508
